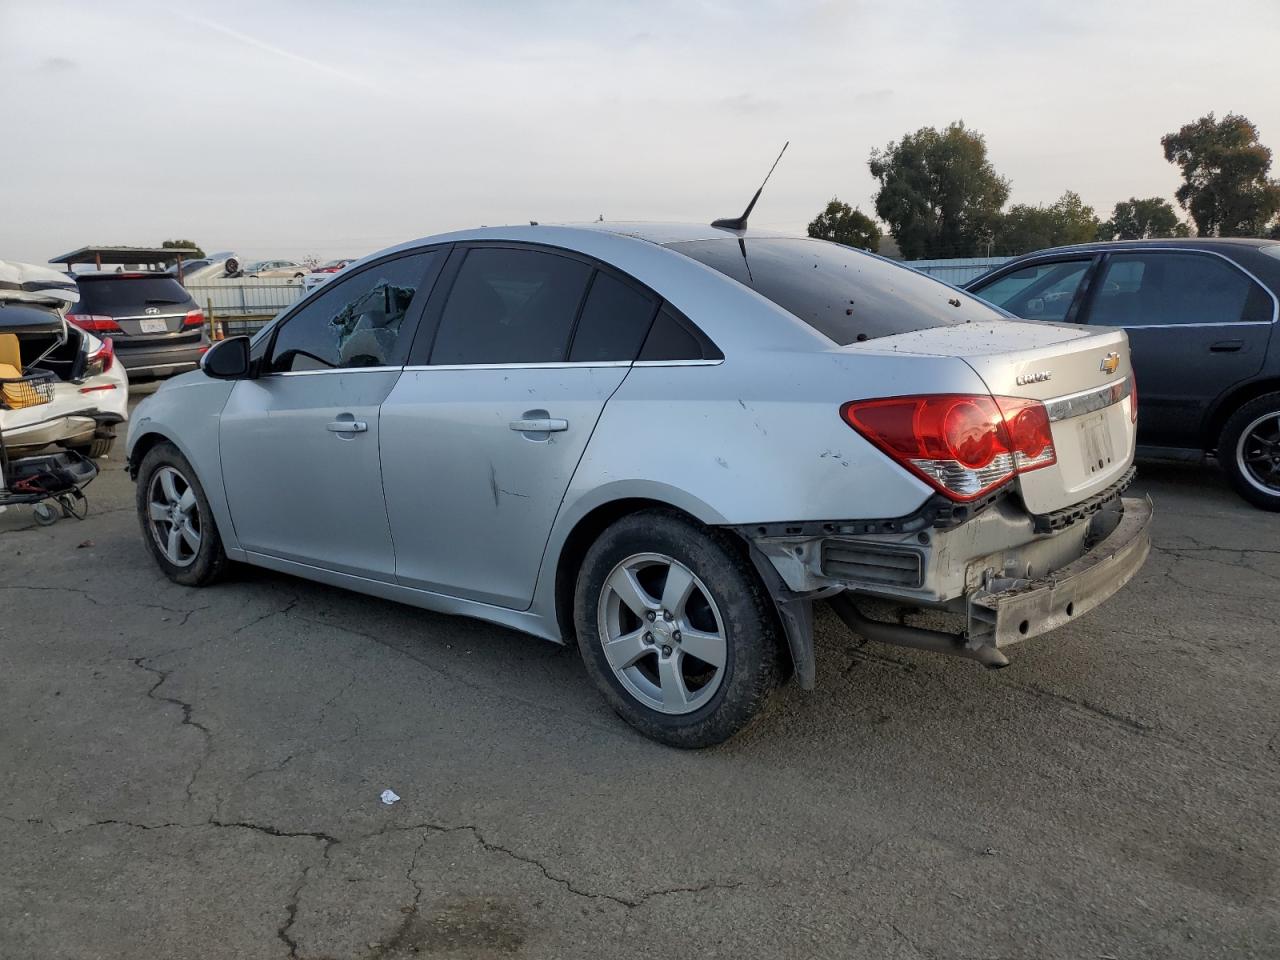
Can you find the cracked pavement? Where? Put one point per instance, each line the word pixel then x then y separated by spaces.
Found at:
pixel 195 773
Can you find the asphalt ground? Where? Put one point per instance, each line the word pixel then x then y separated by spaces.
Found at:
pixel 196 773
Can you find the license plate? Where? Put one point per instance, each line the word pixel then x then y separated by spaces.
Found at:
pixel 1095 443
pixel 153 325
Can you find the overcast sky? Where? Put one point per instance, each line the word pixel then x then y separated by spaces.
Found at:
pixel 336 128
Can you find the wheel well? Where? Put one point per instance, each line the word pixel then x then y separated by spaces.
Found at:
pixel 1230 404
pixel 140 449
pixel 579 541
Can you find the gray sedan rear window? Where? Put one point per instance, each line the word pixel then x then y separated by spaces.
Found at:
pixel 844 294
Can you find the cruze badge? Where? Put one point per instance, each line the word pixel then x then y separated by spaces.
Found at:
pixel 1024 378
pixel 1110 363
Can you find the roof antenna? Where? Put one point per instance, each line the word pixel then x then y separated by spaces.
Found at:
pixel 740 223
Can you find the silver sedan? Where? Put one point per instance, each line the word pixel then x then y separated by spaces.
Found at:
pixel 663 444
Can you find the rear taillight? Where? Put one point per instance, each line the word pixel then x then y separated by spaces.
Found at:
pixel 1133 398
pixel 94 323
pixel 194 318
pixel 101 359
pixel 965 446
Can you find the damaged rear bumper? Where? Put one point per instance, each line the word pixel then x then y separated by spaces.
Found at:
pixel 1020 610
pixel 1096 557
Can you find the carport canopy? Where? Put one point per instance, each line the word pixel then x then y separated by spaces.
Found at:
pixel 157 257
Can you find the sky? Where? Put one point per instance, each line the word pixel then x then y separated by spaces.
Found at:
pixel 328 129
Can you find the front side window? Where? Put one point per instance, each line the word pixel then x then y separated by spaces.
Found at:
pixel 1158 288
pixel 1042 291
pixel 510 306
pixel 844 294
pixel 355 322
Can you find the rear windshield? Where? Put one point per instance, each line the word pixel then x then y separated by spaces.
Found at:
pixel 844 294
pixel 119 295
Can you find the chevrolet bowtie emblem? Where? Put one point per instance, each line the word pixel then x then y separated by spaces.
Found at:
pixel 1110 363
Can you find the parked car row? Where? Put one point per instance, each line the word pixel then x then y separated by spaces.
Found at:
pixel 1200 315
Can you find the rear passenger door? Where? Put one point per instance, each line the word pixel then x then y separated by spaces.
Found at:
pixel 1197 324
pixel 519 351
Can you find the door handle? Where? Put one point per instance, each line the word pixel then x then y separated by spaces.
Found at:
pixel 1226 346
pixel 540 425
pixel 347 426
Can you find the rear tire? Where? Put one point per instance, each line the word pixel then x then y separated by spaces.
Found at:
pixel 1249 451
pixel 97 448
pixel 177 522
pixel 656 563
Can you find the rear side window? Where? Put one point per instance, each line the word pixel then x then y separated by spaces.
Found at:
pixel 510 306
pixel 614 321
pixel 355 322
pixel 672 337
pixel 1041 291
pixel 1160 288
pixel 844 294
pixel 124 296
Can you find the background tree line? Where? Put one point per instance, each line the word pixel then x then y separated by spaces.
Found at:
pixel 941 197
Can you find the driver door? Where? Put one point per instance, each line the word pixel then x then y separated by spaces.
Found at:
pixel 299 442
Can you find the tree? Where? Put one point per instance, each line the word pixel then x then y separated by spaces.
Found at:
pixel 845 224
pixel 198 255
pixel 1134 219
pixel 1224 171
pixel 1025 227
pixel 938 192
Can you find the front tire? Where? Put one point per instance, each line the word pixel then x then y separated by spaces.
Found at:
pixel 177 522
pixel 1249 451
pixel 675 629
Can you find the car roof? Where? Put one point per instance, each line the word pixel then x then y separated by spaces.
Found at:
pixel 641 251
pixel 1191 243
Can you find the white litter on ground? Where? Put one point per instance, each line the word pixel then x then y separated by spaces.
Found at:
pixel 389 797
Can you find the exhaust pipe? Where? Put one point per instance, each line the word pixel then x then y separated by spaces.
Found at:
pixel 900 635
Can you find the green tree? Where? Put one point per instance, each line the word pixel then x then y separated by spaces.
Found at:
pixel 938 192
pixel 1134 219
pixel 1224 171
pixel 1025 227
pixel 199 254
pixel 845 224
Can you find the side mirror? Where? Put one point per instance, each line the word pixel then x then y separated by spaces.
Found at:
pixel 227 359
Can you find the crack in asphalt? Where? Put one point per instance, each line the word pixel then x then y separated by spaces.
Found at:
pixel 187 710
pixel 291 914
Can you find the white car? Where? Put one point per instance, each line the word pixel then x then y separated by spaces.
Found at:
pixel 276 268
pixel 71 392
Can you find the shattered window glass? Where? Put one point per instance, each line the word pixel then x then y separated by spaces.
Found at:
pixel 355 322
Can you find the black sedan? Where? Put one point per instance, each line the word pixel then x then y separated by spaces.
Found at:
pixel 1200 315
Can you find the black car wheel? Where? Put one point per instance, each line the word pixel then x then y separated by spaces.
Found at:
pixel 1249 450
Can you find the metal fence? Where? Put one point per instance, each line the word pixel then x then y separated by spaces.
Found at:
pixel 956 271
pixel 229 298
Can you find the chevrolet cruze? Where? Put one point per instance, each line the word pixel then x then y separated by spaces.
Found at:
pixel 663 444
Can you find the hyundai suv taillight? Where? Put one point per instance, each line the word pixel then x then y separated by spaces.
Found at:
pixel 94 323
pixel 194 318
pixel 964 446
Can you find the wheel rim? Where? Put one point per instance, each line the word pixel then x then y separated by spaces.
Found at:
pixel 662 633
pixel 1258 453
pixel 173 516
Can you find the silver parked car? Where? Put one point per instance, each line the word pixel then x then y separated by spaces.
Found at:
pixel 664 444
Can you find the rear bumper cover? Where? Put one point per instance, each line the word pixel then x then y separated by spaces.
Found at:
pixel 1030 608
pixel 160 361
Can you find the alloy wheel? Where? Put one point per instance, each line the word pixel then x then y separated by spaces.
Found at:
pixel 173 516
pixel 1258 453
pixel 662 633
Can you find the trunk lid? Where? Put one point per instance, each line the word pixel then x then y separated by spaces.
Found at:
pixel 1081 374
